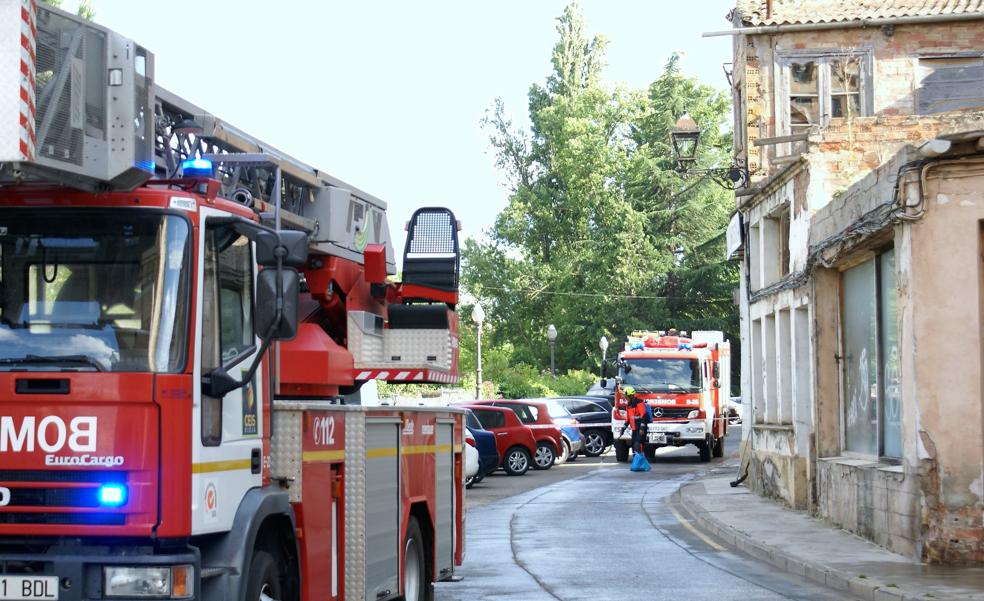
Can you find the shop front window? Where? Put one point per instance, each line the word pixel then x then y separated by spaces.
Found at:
pixel 872 399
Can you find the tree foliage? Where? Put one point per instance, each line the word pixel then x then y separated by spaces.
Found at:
pixel 601 234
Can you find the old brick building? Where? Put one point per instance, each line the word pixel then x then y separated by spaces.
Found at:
pixel 861 299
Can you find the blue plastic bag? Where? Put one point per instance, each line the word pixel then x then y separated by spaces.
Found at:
pixel 640 464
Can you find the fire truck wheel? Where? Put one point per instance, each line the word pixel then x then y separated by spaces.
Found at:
pixel 544 458
pixel 516 461
pixel 594 443
pixel 622 451
pixel 416 584
pixel 264 581
pixel 705 450
pixel 565 454
pixel 719 447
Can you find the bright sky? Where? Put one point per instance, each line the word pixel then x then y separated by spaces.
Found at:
pixel 388 94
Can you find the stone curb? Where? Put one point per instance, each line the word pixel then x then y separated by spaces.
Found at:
pixel 860 586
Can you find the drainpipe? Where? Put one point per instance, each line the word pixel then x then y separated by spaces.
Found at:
pixel 855 24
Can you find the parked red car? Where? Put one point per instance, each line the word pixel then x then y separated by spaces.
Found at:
pixel 536 416
pixel 514 441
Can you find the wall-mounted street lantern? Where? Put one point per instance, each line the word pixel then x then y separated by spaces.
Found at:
pixel 686 138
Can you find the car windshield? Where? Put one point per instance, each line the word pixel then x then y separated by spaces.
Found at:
pixel 663 375
pixel 93 290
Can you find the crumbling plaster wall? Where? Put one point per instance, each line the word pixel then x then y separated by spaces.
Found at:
pixel 947 418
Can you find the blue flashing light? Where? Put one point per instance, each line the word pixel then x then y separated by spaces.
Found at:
pixel 196 168
pixel 112 495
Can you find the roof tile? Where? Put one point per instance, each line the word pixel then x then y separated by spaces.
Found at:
pixel 788 12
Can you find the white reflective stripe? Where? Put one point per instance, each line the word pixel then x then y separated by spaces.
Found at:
pixel 363 375
pixel 419 376
pixel 402 375
pixel 383 375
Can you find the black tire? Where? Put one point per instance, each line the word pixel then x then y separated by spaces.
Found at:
pixel 621 451
pixel 705 450
pixel 545 455
pixel 416 577
pixel 516 461
pixel 718 450
pixel 471 481
pixel 594 443
pixel 264 577
pixel 650 452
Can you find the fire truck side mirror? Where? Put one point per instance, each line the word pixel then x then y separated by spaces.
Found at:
pixel 267 316
pixel 716 370
pixel 291 245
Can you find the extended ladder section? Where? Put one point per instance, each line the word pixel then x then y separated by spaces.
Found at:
pixel 77 101
pixel 79 107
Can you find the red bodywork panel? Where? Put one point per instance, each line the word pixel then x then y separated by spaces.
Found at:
pixel 514 433
pixel 543 429
pixel 104 430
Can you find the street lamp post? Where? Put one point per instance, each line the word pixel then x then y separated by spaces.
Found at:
pixel 478 316
pixel 552 337
pixel 603 343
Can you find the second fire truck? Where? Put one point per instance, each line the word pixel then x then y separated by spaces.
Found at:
pixel 685 380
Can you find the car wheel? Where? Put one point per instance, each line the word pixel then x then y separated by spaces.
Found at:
pixel 565 454
pixel 264 580
pixel 705 450
pixel 470 481
pixel 594 443
pixel 650 452
pixel 516 461
pixel 621 451
pixel 544 458
pixel 416 582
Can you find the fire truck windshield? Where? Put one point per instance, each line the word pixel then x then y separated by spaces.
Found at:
pixel 93 290
pixel 663 375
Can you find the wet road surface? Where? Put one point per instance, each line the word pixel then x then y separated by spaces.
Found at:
pixel 604 533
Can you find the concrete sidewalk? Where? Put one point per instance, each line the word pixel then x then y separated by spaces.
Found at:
pixel 795 542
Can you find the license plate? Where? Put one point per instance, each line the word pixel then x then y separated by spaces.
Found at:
pixel 657 437
pixel 28 588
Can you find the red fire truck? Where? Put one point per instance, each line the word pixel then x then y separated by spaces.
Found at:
pixel 186 316
pixel 685 380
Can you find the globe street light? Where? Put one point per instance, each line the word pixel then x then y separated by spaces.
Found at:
pixel 478 316
pixel 603 343
pixel 552 337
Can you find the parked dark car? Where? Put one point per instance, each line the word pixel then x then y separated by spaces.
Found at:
pixel 514 440
pixel 594 421
pixel 535 415
pixel 604 395
pixel 488 454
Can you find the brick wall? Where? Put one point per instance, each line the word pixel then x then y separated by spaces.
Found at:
pixel 895 80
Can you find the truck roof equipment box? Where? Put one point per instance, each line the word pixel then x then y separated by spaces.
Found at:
pixel 76 101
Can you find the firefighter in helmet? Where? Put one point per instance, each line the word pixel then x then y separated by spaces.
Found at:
pixel 637 418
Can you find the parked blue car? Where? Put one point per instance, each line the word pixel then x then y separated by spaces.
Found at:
pixel 569 429
pixel 488 454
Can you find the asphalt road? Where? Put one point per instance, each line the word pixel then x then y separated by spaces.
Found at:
pixel 593 530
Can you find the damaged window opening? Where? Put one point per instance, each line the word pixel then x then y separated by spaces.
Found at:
pixel 821 88
pixel 872 393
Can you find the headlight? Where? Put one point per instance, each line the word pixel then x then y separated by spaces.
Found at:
pixel 693 414
pixel 159 582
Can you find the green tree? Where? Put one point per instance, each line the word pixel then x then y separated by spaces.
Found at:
pixel 601 235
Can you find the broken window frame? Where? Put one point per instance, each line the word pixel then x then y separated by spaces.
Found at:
pixel 825 91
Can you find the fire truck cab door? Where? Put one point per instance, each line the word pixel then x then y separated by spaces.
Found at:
pixel 227 436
